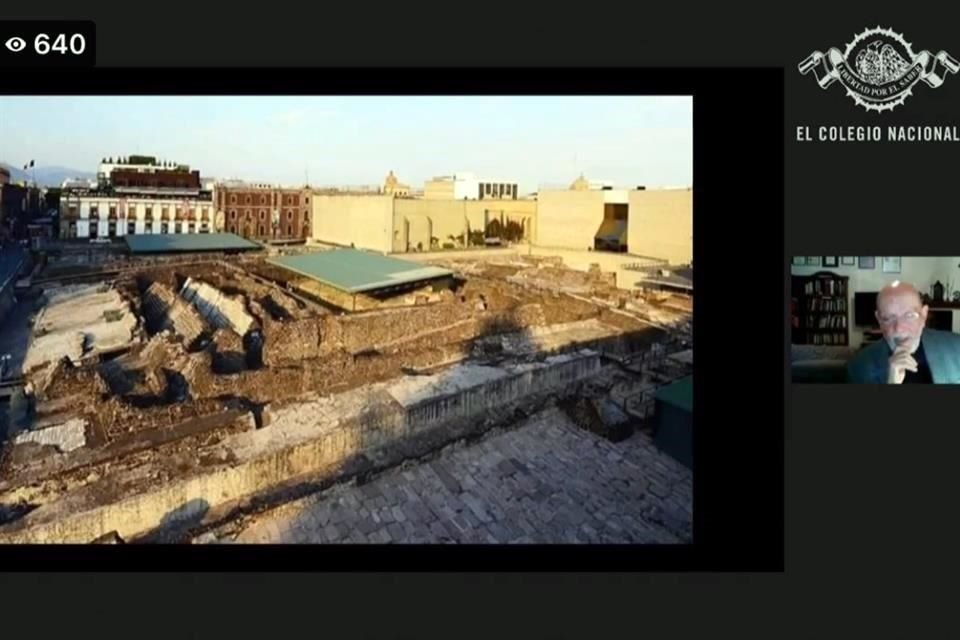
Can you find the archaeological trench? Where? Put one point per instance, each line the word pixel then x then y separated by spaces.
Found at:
pixel 172 397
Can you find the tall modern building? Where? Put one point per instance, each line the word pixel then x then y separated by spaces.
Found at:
pixel 138 195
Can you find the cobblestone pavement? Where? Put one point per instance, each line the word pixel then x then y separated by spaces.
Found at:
pixel 546 481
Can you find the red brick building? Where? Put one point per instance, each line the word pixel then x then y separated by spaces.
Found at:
pixel 264 213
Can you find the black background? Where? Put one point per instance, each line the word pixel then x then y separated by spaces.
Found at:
pixel 868 471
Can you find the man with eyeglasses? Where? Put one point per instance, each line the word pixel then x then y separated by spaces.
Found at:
pixel 909 353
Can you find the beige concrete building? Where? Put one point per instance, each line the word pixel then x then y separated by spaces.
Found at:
pixel 422 224
pixel 568 219
pixel 389 224
pixel 643 222
pixel 361 221
pixel 598 222
pixel 661 224
pixel 583 217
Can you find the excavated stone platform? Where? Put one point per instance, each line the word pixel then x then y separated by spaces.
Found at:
pixel 371 427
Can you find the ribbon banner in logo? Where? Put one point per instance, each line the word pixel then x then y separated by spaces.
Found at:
pixel 883 81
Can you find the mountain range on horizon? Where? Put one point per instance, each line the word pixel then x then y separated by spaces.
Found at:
pixel 45 176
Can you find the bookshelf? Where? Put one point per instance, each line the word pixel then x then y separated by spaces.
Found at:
pixel 820 309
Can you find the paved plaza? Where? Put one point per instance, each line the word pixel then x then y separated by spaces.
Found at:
pixel 545 481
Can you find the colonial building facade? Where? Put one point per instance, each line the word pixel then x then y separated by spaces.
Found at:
pixel 104 215
pixel 264 212
pixel 145 197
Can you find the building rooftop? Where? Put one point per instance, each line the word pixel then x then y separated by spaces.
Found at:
pixel 678 394
pixel 188 242
pixel 356 271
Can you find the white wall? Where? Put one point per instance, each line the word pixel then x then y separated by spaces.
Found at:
pixel 465 187
pixel 921 272
pixel 616 196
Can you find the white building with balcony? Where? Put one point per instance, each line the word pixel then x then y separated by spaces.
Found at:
pixel 112 216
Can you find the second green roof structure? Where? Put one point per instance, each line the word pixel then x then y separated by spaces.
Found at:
pixel 188 243
pixel 356 271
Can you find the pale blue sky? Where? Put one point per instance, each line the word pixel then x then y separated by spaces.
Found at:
pixel 356 140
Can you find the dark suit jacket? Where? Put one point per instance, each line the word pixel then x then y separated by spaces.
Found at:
pixel 942 349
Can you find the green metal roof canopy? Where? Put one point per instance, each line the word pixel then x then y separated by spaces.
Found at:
pixel 356 271
pixel 188 242
pixel 678 394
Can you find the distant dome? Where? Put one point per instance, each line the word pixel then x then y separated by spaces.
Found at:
pixel 580 184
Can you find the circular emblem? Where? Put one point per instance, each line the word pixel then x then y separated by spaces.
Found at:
pixel 881 69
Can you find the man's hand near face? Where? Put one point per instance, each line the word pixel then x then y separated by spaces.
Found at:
pixel 900 362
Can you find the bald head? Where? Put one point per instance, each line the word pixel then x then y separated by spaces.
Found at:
pixel 899 290
pixel 901 314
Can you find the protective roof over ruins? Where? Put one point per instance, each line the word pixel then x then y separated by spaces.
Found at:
pixel 188 243
pixel 355 271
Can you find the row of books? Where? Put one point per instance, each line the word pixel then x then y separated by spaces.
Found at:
pixel 820 287
pixel 839 339
pixel 826 322
pixel 837 305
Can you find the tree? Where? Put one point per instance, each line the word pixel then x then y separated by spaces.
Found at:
pixel 513 231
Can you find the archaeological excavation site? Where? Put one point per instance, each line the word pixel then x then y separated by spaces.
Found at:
pixel 201 396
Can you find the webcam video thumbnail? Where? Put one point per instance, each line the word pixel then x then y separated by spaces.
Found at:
pixel 875 320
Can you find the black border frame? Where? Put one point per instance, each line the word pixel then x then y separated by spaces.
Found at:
pixel 739 455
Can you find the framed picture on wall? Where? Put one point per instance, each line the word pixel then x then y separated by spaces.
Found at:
pixel 830 261
pixel 848 261
pixel 799 261
pixel 890 265
pixel 813 261
pixel 869 262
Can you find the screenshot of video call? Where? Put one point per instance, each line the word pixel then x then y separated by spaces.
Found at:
pixel 303 293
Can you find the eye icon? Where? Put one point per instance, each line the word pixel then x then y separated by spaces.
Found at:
pixel 16 44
